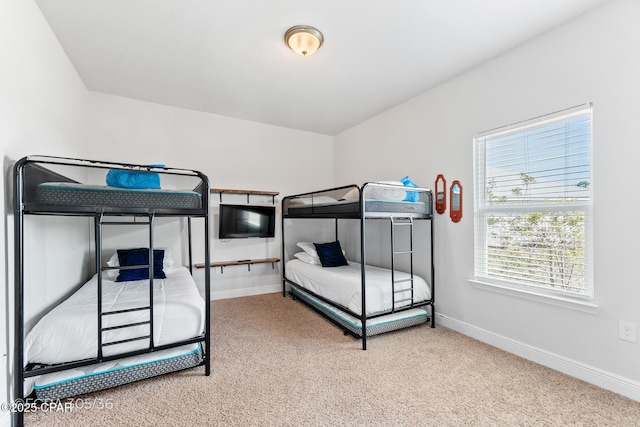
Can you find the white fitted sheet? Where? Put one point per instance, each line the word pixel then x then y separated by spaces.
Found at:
pixel 69 331
pixel 343 285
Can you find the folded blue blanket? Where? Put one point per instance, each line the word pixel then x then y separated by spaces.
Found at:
pixel 133 179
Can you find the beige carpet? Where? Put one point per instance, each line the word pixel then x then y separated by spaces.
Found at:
pixel 276 363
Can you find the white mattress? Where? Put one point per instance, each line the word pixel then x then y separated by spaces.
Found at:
pixel 69 331
pixel 343 285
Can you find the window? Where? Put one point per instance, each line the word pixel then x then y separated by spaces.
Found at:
pixel 533 204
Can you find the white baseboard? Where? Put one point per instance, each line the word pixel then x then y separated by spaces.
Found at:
pixel 595 376
pixel 245 292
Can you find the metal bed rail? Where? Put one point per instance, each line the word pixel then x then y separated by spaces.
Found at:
pixel 23 187
pixel 397 219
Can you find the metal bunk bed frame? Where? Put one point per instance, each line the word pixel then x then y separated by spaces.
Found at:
pixel 396 220
pixel 38 173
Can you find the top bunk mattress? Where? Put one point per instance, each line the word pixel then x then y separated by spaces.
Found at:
pixel 79 195
pixel 373 208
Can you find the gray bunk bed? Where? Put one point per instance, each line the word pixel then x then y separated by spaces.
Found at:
pixel 115 335
pixel 360 298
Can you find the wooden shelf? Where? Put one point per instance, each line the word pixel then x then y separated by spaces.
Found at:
pixel 249 193
pixel 229 190
pixel 247 262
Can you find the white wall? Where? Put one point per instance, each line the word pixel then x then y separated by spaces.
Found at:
pixel 46 109
pixel 42 111
pixel 235 154
pixel 591 59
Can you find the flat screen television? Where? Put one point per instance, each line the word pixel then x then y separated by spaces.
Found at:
pixel 243 221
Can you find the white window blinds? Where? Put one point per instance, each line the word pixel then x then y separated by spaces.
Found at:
pixel 533 203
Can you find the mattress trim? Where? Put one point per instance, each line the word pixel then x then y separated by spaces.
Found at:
pixel 400 322
pixel 105 188
pixel 112 370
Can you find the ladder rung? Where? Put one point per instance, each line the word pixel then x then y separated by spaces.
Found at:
pixel 125 341
pixel 128 310
pixel 401 223
pixel 403 300
pixel 403 280
pixel 132 267
pixel 402 252
pixel 128 325
pixel 124 223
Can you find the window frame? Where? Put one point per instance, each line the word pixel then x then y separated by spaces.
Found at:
pixel 482 210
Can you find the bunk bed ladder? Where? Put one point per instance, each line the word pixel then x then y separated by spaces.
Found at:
pixel 149 308
pixel 401 286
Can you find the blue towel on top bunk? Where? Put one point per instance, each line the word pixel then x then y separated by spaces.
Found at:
pixel 133 179
pixel 412 196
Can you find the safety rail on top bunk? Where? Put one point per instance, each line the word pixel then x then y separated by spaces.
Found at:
pixel 371 200
pixel 34 172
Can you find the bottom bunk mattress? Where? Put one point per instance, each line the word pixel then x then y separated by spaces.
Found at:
pixel 88 379
pixel 375 326
pixel 69 332
pixel 342 285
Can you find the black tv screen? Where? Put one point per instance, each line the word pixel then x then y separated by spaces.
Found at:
pixel 242 221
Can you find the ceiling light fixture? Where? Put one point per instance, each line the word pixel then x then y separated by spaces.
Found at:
pixel 303 39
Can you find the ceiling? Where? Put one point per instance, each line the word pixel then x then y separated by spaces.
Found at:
pixel 228 57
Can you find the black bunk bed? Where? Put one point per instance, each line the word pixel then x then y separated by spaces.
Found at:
pixel 380 298
pixel 123 345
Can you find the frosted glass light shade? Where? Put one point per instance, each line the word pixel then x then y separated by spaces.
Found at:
pixel 303 39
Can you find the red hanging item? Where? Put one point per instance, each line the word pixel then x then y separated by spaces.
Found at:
pixel 441 194
pixel 455 195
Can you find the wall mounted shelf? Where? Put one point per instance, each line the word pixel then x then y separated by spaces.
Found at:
pixel 249 193
pixel 247 262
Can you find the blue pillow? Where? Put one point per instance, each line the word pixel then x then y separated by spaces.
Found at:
pixel 128 257
pixel 133 179
pixel 330 254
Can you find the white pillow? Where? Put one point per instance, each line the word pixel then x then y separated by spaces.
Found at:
pixel 307 259
pixel 380 193
pixel 308 248
pixel 353 194
pixel 114 261
pixel 316 200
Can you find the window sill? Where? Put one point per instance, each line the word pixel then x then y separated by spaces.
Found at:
pixel 559 301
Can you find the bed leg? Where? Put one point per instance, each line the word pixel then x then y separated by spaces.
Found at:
pixel 433 316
